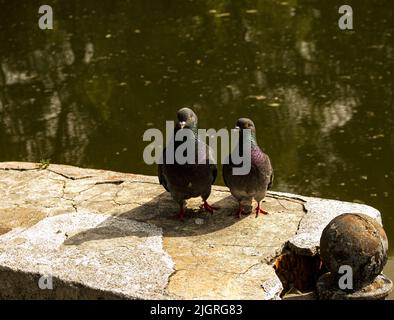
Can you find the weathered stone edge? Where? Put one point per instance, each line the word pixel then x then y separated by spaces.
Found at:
pixel 318 213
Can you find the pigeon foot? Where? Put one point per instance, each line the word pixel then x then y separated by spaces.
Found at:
pixel 181 214
pixel 240 212
pixel 208 207
pixel 260 210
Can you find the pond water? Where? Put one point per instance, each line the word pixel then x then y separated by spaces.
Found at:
pixel 321 98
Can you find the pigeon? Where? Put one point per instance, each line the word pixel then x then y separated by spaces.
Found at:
pixel 260 178
pixel 189 180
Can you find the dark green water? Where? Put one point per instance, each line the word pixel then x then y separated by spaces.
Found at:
pixel 321 98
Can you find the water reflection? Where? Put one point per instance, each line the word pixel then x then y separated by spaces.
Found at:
pixel 321 98
pixel 44 111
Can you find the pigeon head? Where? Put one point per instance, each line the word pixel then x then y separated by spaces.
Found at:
pixel 186 119
pixel 245 123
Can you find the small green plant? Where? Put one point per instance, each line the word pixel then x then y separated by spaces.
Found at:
pixel 43 164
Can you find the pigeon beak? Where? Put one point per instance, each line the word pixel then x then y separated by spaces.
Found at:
pixel 182 124
pixel 237 128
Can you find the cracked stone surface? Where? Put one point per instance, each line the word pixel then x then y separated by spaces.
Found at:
pixel 319 212
pixel 103 234
pixel 45 249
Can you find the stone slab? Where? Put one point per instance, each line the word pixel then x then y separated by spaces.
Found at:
pixel 102 234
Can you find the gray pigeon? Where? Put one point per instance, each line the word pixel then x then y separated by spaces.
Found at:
pixel 260 178
pixel 186 181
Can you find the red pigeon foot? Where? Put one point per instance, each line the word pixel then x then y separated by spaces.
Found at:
pixel 181 214
pixel 259 210
pixel 240 212
pixel 208 207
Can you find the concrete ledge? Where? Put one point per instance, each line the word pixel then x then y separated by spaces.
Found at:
pixel 103 234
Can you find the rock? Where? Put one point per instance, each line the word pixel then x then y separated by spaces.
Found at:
pixel 319 212
pixel 327 289
pixel 103 234
pixel 123 256
pixel 300 296
pixel 358 241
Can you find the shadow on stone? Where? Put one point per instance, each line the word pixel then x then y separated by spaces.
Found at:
pixel 161 211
